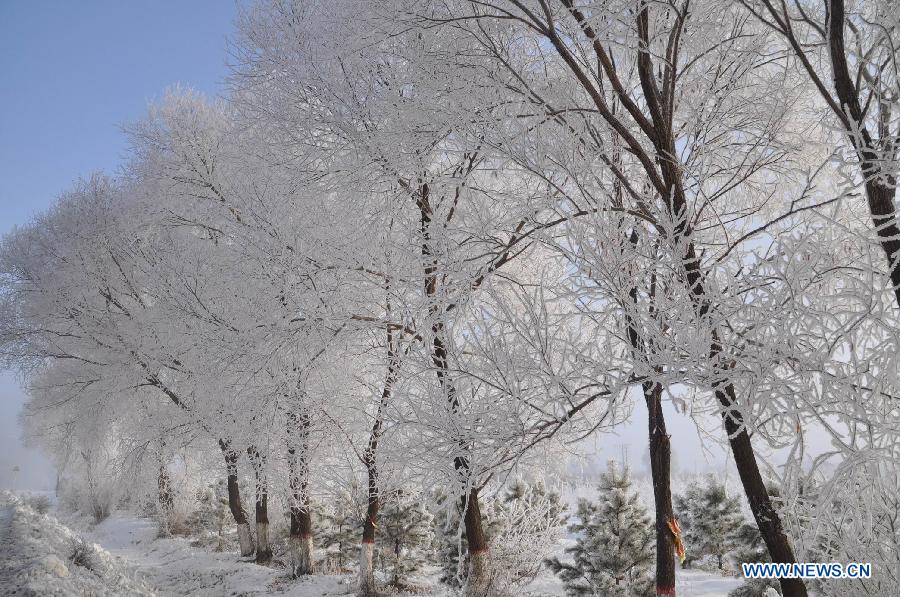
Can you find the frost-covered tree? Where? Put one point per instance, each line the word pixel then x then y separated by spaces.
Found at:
pixel 850 514
pixel 613 553
pixel 523 522
pixel 425 181
pixel 339 535
pixel 451 542
pixel 848 51
pixel 418 243
pixel 711 520
pixel 622 90
pixel 405 536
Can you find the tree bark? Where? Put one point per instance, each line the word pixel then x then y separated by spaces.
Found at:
pixel 166 501
pixel 480 580
pixel 660 468
pixel 884 220
pixel 660 449
pixel 480 577
pixel 234 500
pixel 300 535
pixel 263 550
pixel 672 191
pixel 880 185
pixel 764 512
pixel 367 587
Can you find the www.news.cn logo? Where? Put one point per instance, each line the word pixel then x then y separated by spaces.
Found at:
pixel 807 570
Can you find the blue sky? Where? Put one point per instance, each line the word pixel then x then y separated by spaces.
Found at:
pixel 71 73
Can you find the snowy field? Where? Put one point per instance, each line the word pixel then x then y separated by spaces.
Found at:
pixel 123 556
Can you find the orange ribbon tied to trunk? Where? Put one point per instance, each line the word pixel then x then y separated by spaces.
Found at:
pixel 679 544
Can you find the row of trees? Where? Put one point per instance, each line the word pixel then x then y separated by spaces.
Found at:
pixel 421 242
pixel 614 551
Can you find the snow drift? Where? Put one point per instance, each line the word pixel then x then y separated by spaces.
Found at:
pixel 40 556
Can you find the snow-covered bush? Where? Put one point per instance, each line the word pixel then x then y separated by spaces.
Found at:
pixel 339 534
pixel 82 554
pixel 40 503
pixel 43 557
pixel 404 535
pixel 522 526
pixel 710 519
pixel 530 523
pixel 99 489
pixel 207 522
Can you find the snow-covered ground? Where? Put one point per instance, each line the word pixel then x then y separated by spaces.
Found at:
pixel 129 559
pixel 39 556
pixel 174 567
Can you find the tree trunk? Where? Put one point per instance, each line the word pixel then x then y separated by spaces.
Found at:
pixel 263 550
pixel 234 500
pixel 395 581
pixel 660 461
pixel 879 193
pixel 764 512
pixel 300 536
pixel 367 586
pixel 660 452
pixel 884 220
pixel 480 579
pixel 166 501
pixel 671 188
pixel 301 541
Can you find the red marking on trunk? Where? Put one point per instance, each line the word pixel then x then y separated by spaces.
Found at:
pixel 665 591
pixel 368 541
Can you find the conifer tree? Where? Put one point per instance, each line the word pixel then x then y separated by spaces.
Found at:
pixel 614 553
pixel 339 536
pixel 211 512
pixel 750 548
pixel 536 498
pixel 687 510
pixel 720 522
pixel 405 535
pixel 711 520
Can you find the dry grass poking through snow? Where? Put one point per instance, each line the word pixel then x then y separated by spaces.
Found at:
pixel 40 556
